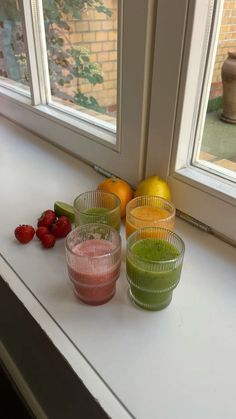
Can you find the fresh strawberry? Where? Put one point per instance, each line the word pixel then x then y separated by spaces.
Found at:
pixel 41 231
pixel 61 227
pixel 48 240
pixel 47 218
pixel 24 233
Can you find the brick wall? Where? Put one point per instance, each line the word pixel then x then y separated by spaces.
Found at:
pixel 98 33
pixel 227 40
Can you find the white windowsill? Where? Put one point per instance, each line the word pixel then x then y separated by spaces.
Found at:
pixel 176 363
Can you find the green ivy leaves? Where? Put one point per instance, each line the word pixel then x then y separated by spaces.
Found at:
pixel 73 63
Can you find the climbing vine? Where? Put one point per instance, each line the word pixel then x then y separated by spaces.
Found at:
pixel 68 62
pixel 69 65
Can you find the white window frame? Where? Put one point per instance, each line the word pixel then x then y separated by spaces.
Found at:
pixel 174 113
pixel 124 157
pixel 174 57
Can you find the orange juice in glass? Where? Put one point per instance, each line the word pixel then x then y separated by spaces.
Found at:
pixel 149 211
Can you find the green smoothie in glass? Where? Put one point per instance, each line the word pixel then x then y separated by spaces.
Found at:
pixel 154 263
pixel 97 207
pixel 101 215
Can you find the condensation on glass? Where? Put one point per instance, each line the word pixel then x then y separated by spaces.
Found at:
pixel 218 144
pixel 81 39
pixel 13 60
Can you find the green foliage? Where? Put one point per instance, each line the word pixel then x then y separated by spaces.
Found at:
pixel 88 102
pixel 83 68
pixel 9 11
pixel 66 64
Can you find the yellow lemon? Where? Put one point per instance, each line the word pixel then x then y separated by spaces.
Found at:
pixel 153 185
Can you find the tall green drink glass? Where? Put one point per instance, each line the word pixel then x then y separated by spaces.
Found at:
pixel 154 260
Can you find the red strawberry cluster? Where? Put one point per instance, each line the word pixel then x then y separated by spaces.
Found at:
pixel 49 228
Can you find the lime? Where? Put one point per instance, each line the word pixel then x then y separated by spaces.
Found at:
pixel 62 208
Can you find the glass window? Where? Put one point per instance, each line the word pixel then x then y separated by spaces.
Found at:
pixel 13 60
pixel 217 147
pixel 90 64
pixel 190 143
pixel 134 96
pixel 81 39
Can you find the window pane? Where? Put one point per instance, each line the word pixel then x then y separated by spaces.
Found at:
pixel 81 39
pixel 218 146
pixel 13 61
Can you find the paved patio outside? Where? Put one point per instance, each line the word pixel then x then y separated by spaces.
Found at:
pixel 219 142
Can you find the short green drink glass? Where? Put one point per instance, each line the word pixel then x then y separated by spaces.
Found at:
pixel 97 207
pixel 154 260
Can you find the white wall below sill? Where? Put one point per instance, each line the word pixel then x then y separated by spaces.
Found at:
pixel 173 364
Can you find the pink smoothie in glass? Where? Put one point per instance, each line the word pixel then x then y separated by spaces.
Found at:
pixel 94 271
